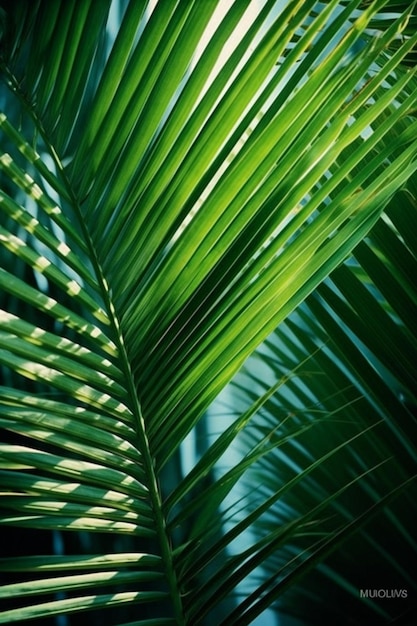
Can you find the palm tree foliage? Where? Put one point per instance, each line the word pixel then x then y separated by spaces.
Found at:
pixel 170 196
pixel 346 407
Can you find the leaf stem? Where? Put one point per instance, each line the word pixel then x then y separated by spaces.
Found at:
pixel 124 364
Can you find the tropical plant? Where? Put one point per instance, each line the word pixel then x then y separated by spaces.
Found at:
pixel 212 183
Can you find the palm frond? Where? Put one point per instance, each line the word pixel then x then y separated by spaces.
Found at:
pixel 359 401
pixel 169 198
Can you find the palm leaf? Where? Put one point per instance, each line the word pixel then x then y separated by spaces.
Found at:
pixel 166 204
pixel 360 406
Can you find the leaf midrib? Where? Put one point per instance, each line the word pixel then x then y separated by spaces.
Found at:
pixel 133 402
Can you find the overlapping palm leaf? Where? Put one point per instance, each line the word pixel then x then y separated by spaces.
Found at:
pixel 345 409
pixel 158 222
